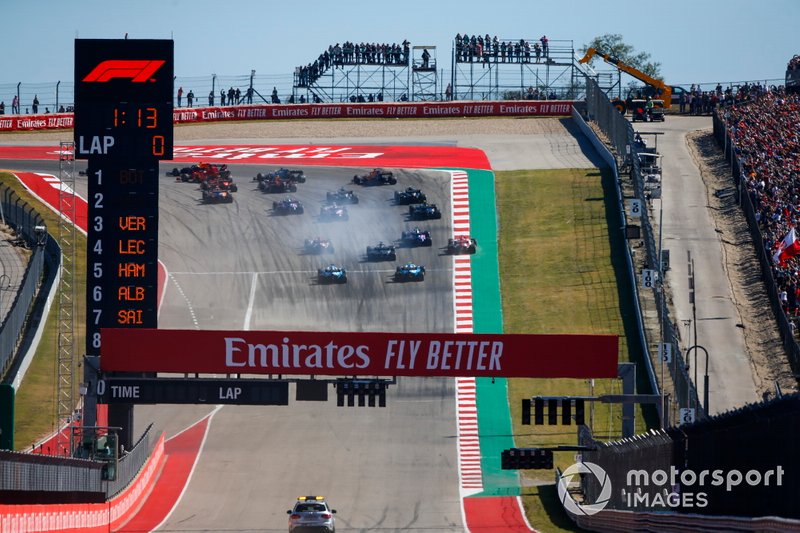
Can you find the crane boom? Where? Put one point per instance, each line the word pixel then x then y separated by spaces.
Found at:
pixel 663 91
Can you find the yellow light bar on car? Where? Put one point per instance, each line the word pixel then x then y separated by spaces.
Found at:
pixel 305 498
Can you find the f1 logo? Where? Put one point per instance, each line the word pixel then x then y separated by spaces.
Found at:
pixel 137 70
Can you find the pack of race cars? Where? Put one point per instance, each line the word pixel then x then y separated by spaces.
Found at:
pixel 217 186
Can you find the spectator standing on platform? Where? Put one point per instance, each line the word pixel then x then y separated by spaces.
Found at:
pixel 238 95
pixel 448 92
pixel 2 108
pixel 231 94
pixel 426 57
pixel 190 98
pixel 15 105
pixel 180 95
pixel 211 97
pixel 275 99
pixel 35 105
pixel 249 95
pixel 545 45
pixel 222 97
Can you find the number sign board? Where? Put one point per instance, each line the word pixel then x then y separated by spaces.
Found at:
pixel 123 127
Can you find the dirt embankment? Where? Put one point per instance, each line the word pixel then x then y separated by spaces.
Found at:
pixel 768 361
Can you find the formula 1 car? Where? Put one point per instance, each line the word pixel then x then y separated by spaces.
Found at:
pixel 409 196
pixel 318 246
pixel 416 237
pixel 381 252
pixel 409 272
pixel 200 172
pixel 462 244
pixel 217 195
pixel 333 212
pixel 178 172
pixel 377 176
pixel 342 196
pixel 331 274
pixel 297 176
pixel 424 211
pixel 224 183
pixel 287 206
pixel 276 185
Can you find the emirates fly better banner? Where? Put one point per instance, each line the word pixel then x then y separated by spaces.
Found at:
pixel 359 354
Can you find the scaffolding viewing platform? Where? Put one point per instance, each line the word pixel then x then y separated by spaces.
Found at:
pixel 355 73
pixel 482 68
pixel 487 68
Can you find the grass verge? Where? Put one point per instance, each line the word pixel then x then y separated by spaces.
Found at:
pixel 561 271
pixel 35 401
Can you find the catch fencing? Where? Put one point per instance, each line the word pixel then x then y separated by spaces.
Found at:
pixel 621 138
pixel 29 227
pixel 42 479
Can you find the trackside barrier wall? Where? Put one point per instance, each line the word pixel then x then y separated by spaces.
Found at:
pixel 621 137
pixel 730 443
pixel 88 517
pixel 725 140
pixel 194 115
pixel 20 216
pixel 130 464
pixel 612 521
pixel 612 163
pixel 25 476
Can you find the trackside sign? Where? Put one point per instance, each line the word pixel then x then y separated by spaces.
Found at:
pixel 355 354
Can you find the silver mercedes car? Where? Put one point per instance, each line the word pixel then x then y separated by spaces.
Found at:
pixel 311 514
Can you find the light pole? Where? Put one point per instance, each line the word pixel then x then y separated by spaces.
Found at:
pixel 705 377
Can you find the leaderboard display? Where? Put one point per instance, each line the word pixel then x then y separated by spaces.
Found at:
pixel 123 128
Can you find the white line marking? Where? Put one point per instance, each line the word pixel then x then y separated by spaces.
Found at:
pixel 248 315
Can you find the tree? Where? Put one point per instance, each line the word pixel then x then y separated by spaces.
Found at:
pixel 614 45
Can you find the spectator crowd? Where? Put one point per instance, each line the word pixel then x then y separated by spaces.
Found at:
pixel 486 49
pixel 349 53
pixel 763 123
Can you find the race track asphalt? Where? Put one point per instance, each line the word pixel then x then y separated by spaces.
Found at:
pixel 240 266
pixel 236 266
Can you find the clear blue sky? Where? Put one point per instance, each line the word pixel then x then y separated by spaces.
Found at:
pixel 697 41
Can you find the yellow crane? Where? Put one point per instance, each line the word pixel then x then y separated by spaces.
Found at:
pixel 660 90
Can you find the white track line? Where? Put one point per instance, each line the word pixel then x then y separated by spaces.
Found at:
pixel 248 315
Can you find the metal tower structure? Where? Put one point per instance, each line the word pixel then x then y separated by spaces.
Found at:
pixel 516 69
pixel 424 80
pixel 65 387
